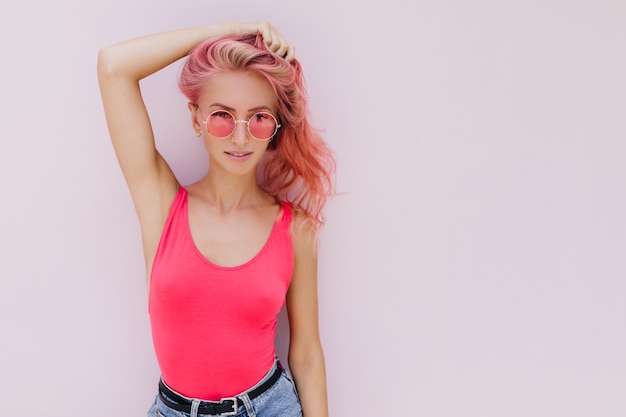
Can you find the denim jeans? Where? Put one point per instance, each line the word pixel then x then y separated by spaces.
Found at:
pixel 281 400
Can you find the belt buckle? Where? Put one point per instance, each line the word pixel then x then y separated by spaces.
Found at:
pixel 235 406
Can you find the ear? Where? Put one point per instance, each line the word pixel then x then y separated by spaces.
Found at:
pixel 195 122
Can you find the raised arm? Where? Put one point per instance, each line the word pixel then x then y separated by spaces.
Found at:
pixel 120 68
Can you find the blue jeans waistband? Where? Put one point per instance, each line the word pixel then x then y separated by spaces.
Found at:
pixel 224 407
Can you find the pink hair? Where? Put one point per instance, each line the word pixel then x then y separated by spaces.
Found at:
pixel 301 166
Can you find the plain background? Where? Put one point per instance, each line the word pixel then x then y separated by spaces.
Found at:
pixel 475 265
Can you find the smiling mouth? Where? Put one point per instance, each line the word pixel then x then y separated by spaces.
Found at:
pixel 238 154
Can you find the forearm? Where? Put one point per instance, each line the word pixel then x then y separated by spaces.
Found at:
pixel 139 57
pixel 309 375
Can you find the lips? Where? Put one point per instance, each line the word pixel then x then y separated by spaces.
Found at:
pixel 238 156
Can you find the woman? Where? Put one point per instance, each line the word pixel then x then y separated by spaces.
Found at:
pixel 223 254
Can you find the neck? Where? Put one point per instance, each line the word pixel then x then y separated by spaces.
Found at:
pixel 230 192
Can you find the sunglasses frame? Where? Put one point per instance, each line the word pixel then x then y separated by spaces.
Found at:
pixel 237 121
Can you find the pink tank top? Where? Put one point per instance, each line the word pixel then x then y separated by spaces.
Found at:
pixel 213 327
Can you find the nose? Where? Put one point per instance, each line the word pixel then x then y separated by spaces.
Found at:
pixel 240 134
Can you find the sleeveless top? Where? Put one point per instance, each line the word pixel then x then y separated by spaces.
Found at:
pixel 213 327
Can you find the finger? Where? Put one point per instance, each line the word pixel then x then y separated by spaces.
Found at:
pixel 276 47
pixel 283 50
pixel 269 41
pixel 291 53
pixel 266 30
pixel 274 40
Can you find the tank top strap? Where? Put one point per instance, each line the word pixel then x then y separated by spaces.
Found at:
pixel 286 209
pixel 169 228
pixel 178 204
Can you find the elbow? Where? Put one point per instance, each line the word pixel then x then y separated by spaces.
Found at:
pixel 105 63
pixel 112 63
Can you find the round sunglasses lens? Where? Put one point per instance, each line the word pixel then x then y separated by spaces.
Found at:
pixel 220 124
pixel 262 125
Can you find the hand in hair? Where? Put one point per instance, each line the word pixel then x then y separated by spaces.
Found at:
pixel 271 36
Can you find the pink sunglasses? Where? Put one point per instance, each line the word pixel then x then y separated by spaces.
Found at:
pixel 261 125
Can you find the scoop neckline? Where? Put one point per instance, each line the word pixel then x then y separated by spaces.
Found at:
pixel 212 264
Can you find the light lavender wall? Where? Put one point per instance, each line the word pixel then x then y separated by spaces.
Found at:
pixel 474 267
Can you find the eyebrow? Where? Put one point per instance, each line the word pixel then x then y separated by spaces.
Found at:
pixel 232 109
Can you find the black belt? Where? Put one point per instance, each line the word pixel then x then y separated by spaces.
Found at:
pixel 225 407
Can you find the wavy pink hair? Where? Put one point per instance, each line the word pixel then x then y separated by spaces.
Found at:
pixel 301 166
